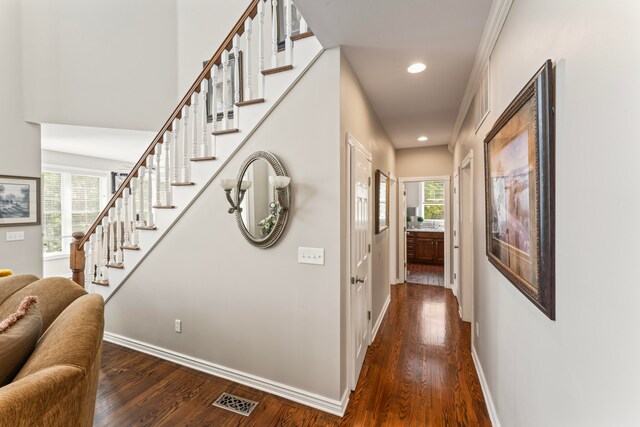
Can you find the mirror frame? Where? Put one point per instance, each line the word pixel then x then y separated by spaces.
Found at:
pixel 282 218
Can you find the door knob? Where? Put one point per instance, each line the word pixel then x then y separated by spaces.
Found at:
pixel 357 279
pixel 456 247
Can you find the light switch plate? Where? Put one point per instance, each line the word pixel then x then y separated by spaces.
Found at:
pixel 178 326
pixel 13 236
pixel 311 256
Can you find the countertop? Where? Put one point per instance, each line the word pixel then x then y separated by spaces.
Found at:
pixel 425 230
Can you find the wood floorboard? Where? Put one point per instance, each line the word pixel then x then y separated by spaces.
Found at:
pixel 418 372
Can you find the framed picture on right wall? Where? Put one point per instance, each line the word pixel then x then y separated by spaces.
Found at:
pixel 520 191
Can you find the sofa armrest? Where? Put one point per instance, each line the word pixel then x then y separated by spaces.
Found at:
pixel 47 397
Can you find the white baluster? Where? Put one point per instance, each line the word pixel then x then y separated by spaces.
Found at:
pixel 288 44
pixel 88 262
pixel 260 49
pixel 303 23
pixel 167 168
pixel 135 235
pixel 175 150
pixel 139 215
pixel 248 60
pixel 157 156
pixel 111 226
pixel 205 136
pixel 225 90
pixel 195 123
pixel 214 99
pixel 105 249
pixel 274 33
pixel 118 258
pixel 94 255
pixel 127 218
pixel 186 170
pixel 236 79
pixel 99 258
pixel 150 220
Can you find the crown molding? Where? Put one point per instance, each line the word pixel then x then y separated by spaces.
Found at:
pixel 495 21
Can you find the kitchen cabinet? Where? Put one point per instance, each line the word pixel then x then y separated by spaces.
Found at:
pixel 425 247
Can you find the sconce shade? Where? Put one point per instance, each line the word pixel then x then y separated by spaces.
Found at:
pixel 245 185
pixel 228 184
pixel 279 181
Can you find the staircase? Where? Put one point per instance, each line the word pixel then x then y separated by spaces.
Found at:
pixel 230 98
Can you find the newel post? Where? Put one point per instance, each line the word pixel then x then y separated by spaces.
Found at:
pixel 76 259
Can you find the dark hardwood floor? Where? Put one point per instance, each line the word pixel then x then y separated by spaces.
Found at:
pixel 418 372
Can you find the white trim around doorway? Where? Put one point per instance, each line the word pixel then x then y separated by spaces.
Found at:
pixel 447 224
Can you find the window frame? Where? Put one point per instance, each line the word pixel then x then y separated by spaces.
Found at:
pixel 424 203
pixel 66 200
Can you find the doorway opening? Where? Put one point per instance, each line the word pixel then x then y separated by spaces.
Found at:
pixel 425 241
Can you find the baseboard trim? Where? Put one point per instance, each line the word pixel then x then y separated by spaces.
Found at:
pixel 376 326
pixel 335 407
pixel 493 414
pixel 344 401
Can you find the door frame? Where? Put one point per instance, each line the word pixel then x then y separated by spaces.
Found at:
pixel 351 145
pixel 455 284
pixel 467 163
pixel 447 224
pixel 393 230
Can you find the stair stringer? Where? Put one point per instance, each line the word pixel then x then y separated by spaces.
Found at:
pixel 277 86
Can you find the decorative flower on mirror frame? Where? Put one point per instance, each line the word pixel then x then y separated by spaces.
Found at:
pixel 267 224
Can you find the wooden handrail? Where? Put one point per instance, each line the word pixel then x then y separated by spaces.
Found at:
pixel 238 29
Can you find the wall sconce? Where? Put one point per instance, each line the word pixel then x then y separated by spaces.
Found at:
pixel 280 183
pixel 230 184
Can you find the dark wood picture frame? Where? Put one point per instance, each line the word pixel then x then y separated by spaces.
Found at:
pixel 11 207
pixel 117 178
pixel 232 79
pixel 382 201
pixel 520 201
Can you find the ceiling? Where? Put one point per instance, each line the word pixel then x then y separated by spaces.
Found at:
pixel 381 39
pixel 114 144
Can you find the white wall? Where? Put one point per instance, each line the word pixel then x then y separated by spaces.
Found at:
pixel 582 369
pixel 413 195
pixel 56 158
pixel 257 311
pixel 102 63
pixel 358 117
pixel 424 161
pixel 20 142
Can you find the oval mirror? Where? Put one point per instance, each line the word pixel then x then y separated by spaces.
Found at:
pixel 262 193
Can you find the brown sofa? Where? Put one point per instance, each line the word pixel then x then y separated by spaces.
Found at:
pixel 58 383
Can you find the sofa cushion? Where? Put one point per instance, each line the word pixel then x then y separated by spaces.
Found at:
pixel 19 334
pixel 78 330
pixel 54 295
pixel 12 284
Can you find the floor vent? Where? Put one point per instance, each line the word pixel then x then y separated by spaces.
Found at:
pixel 235 404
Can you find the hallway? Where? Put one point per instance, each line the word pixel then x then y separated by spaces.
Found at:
pixel 418 372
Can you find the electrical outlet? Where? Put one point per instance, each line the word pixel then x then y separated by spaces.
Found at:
pixel 13 236
pixel 477 330
pixel 178 325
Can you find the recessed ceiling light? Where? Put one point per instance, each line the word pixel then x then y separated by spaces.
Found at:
pixel 416 68
pixel 423 139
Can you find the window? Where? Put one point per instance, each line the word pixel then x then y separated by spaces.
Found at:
pixel 433 200
pixel 72 202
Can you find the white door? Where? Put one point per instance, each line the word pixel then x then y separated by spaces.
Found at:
pixel 456 234
pixel 360 257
